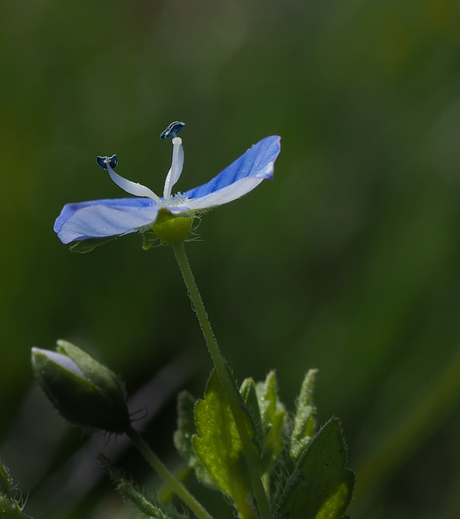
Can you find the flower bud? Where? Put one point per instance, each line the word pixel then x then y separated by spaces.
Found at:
pixel 83 391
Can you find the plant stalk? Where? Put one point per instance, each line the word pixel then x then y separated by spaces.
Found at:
pixel 174 484
pixel 227 382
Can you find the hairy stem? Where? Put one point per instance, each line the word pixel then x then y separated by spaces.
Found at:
pixel 174 484
pixel 226 380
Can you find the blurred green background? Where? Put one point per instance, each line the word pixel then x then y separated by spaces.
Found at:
pixel 349 261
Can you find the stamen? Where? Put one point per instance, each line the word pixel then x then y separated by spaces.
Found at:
pixel 103 161
pixel 172 130
pixel 176 167
pixel 133 188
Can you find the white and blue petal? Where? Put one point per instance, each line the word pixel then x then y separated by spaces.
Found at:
pixel 104 218
pixel 242 176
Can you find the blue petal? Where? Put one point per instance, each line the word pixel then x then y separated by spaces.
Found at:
pixel 103 218
pixel 255 162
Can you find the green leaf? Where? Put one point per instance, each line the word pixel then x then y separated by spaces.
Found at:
pixel 249 394
pixel 219 447
pixel 273 418
pixel 321 486
pixel 183 437
pixel 304 421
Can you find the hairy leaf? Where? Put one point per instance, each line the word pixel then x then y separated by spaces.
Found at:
pixel 219 447
pixel 249 394
pixel 321 486
pixel 273 418
pixel 183 437
pixel 304 421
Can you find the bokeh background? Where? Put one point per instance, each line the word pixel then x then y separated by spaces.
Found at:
pixel 349 261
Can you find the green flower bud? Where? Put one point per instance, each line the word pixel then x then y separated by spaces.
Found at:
pixel 83 391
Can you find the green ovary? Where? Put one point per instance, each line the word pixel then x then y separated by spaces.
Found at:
pixel 170 228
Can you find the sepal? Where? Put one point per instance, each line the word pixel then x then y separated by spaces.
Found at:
pixel 89 245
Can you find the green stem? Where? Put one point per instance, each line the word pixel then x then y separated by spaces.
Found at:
pixel 175 485
pixel 228 385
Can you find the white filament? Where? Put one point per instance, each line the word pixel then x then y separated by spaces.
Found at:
pixel 176 167
pixel 133 188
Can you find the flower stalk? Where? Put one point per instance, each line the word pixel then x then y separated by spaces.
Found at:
pixel 226 380
pixel 164 473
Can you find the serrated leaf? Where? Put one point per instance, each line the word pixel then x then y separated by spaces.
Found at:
pixel 273 417
pixel 183 437
pixel 321 486
pixel 304 421
pixel 219 448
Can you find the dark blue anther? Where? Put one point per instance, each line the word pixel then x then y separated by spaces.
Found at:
pixel 111 161
pixel 172 130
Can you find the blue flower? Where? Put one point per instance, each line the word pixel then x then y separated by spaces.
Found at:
pixel 102 219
